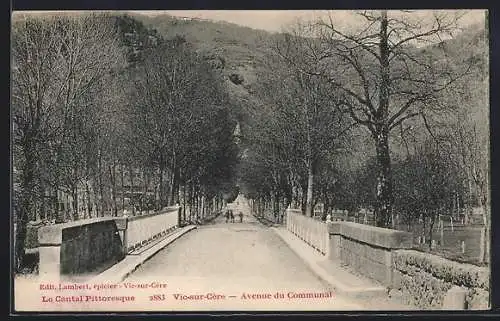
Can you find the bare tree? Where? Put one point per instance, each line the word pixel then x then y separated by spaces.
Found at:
pixel 470 145
pixel 299 124
pixel 58 63
pixel 384 78
pixel 34 56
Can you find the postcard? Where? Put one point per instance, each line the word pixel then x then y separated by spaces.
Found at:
pixel 311 160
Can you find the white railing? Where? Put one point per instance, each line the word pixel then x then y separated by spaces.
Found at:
pixel 142 229
pixel 313 232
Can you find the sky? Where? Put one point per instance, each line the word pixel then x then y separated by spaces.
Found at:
pixel 275 20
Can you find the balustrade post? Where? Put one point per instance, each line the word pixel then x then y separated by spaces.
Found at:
pixel 50 241
pixel 121 225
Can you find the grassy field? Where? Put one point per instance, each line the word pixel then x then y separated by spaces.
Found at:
pixel 449 246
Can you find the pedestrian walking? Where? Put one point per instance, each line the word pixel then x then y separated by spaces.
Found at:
pixel 241 217
pixel 231 215
pixel 227 216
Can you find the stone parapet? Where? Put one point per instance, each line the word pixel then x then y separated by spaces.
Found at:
pixel 375 236
pixel 95 244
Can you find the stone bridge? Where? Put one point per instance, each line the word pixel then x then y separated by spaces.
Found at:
pixel 304 264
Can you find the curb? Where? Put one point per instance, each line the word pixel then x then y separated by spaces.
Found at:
pixel 135 261
pixel 340 287
pixel 265 221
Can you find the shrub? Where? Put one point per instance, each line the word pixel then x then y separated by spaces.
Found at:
pixel 426 278
pixel 31 241
pixel 460 274
pixel 236 79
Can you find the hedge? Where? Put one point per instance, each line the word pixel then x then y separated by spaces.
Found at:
pixel 426 278
pixel 31 241
pixel 460 274
pixel 423 291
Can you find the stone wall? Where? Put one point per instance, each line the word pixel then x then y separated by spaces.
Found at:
pixel 422 279
pixel 367 249
pixel 95 244
pixel 79 247
pixel 89 247
pixel 386 256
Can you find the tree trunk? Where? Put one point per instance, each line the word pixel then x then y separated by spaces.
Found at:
pixel 441 231
pixel 101 186
pixel 380 132
pixel 74 195
pixel 145 185
pixel 326 207
pixel 184 196
pixel 131 176
pixel 288 201
pixel 276 206
pixel 200 205
pixel 26 204
pixel 176 186
pixel 170 192
pixel 87 194
pixel 161 187
pixel 194 201
pixel 203 208
pixel 122 183
pixel 384 196
pixel 191 200
pixel 485 233
pixel 54 204
pixel 431 227
pixel 303 204
pixel 424 225
pixel 113 190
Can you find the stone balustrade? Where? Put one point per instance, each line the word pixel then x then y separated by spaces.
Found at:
pixel 385 255
pixel 311 231
pixel 366 249
pixel 144 228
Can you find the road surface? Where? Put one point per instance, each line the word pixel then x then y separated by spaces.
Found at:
pixel 244 266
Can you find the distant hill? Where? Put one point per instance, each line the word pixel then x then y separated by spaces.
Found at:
pixel 237 52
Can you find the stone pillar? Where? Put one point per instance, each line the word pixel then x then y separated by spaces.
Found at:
pixel 333 247
pixel 121 225
pixel 455 299
pixel 50 240
pixel 389 271
pixel 369 249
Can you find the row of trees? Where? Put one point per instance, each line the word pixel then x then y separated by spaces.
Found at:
pixel 389 117
pixel 102 106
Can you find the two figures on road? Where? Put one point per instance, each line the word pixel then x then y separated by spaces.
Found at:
pixel 230 216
